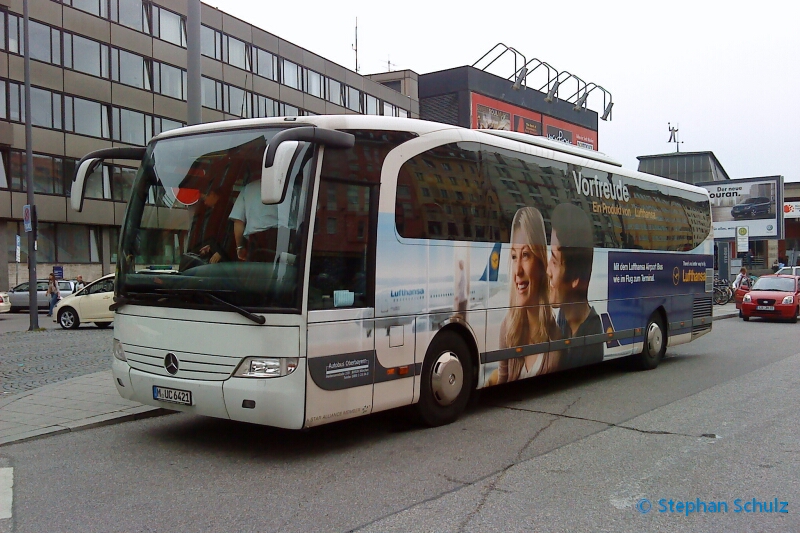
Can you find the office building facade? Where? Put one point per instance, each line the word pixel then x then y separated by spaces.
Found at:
pixel 113 73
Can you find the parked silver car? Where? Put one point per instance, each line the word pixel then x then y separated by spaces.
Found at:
pixel 19 294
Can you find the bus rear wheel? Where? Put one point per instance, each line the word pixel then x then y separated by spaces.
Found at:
pixel 655 344
pixel 447 380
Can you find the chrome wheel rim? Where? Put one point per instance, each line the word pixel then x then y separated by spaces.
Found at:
pixel 655 340
pixel 447 378
pixel 67 319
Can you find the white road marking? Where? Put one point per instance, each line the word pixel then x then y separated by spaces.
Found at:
pixel 6 492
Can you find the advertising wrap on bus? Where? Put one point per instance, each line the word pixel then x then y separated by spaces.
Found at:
pixel 751 202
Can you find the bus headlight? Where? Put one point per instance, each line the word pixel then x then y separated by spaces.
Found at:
pixel 789 299
pixel 119 353
pixel 746 298
pixel 266 367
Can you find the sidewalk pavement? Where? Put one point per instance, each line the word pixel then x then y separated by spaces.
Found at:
pixel 78 403
pixel 92 400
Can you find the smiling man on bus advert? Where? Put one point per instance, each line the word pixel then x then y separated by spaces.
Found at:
pixel 569 271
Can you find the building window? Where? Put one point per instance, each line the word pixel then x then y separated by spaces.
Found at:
pixel 161 125
pixel 210 43
pixel 266 65
pixel 389 110
pixel 130 69
pixel 86 117
pixel 315 84
pixel 122 183
pixel 45 43
pixel 211 95
pixel 131 127
pixel 48 173
pixel 237 101
pixel 336 94
pixel 130 13
pixel 45 108
pixel 85 55
pixel 235 52
pixel 169 26
pixel 265 107
pixel 292 75
pixel 353 99
pixel 169 81
pixel 98 8
pixel 290 110
pixel 371 104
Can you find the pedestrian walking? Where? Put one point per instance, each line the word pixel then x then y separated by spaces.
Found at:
pixel 53 293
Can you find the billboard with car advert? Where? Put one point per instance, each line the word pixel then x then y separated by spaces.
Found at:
pixel 755 203
pixel 488 113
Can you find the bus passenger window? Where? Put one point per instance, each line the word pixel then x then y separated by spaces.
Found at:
pixel 338 270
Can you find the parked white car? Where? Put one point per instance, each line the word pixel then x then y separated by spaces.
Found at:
pixel 89 304
pixel 5 302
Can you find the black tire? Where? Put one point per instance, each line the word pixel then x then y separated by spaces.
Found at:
pixel 448 379
pixel 655 344
pixel 793 320
pixel 746 318
pixel 68 318
pixel 720 297
pixel 103 325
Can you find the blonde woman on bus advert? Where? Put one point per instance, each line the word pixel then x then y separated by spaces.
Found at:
pixel 529 319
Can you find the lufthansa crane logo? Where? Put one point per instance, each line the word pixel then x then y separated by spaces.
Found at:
pixel 495 260
pixel 676 275
pixel 171 363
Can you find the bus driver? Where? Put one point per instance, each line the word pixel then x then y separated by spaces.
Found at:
pixel 255 225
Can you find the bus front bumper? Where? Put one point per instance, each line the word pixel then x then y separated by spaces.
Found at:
pixel 277 402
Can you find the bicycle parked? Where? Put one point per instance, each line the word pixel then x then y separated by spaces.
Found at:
pixel 723 292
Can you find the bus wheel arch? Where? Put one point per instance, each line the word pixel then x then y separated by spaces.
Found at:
pixel 448 377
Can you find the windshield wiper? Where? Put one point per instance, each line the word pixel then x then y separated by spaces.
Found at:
pixel 208 294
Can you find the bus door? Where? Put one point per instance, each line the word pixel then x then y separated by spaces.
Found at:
pixel 341 324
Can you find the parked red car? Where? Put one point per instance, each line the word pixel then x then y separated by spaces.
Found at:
pixel 773 296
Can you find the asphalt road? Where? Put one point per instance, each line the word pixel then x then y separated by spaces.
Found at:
pixel 12 322
pixel 577 451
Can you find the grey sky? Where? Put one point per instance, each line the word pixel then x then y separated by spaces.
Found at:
pixel 726 72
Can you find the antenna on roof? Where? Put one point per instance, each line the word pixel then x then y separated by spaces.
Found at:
pixel 355 46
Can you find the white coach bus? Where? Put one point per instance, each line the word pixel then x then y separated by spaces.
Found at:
pixel 299 271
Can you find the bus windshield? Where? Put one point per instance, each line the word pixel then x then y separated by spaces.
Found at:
pixel 197 235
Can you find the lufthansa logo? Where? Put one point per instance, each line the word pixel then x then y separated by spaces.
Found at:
pixel 171 363
pixel 495 260
pixel 676 275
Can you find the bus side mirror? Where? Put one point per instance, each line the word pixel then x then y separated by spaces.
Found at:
pixel 79 183
pixel 273 178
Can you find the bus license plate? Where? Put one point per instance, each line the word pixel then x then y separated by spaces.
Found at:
pixel 765 308
pixel 163 394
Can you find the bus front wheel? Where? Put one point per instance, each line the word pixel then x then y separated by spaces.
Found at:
pixel 447 380
pixel 655 344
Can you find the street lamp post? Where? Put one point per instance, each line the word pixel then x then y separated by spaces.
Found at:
pixel 33 304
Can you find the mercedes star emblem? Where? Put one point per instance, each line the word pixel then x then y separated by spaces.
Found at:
pixel 171 363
